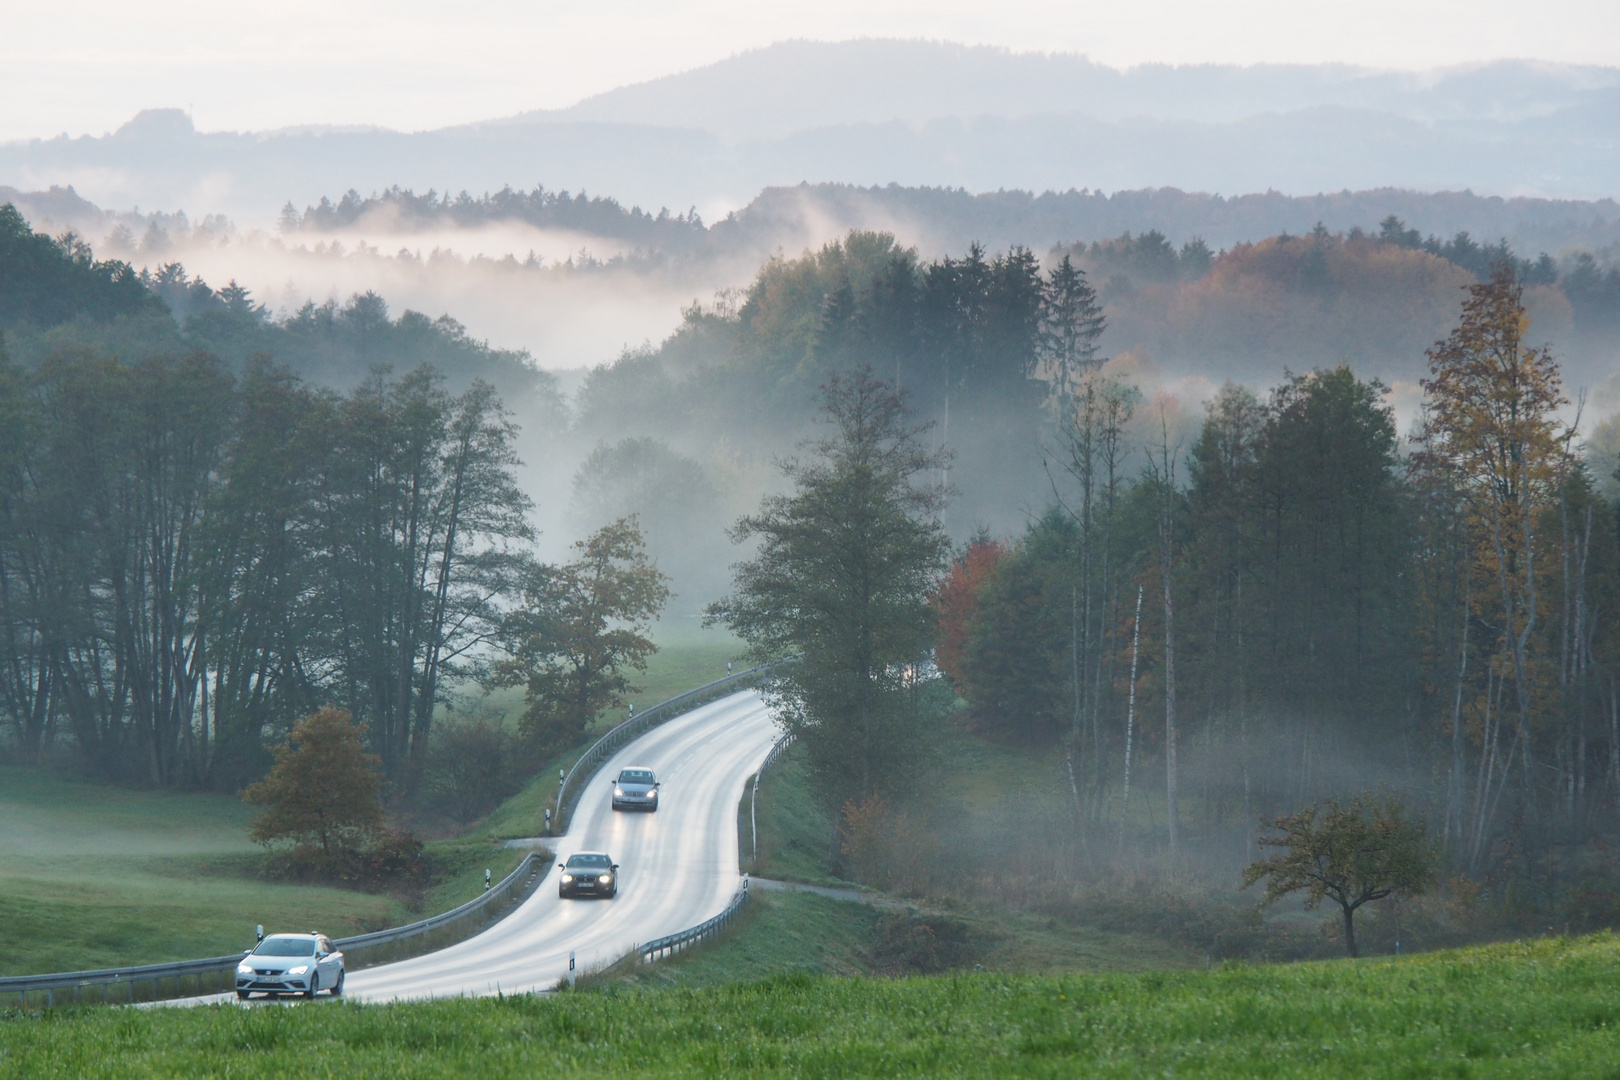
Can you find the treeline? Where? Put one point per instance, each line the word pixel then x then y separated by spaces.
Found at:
pixel 1292 606
pixel 592 215
pixel 190 560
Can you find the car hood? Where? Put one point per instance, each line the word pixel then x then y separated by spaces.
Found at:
pixel 636 789
pixel 276 963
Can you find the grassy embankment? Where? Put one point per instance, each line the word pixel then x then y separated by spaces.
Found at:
pixel 1539 1009
pixel 98 876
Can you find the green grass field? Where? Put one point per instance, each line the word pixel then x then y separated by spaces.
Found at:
pixel 95 876
pixel 1543 1009
pixel 100 876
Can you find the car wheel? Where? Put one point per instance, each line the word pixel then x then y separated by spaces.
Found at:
pixel 337 987
pixel 314 986
pixel 243 994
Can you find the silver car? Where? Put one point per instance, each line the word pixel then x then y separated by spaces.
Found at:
pixel 291 964
pixel 635 789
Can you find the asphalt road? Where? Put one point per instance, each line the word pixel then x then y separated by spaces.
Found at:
pixel 677 867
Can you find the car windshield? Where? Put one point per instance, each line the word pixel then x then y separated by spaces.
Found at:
pixel 590 862
pixel 636 776
pixel 286 946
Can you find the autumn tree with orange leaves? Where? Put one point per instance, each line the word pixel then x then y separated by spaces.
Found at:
pixel 1491 435
pixel 957 602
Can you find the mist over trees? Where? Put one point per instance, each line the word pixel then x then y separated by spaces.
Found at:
pixel 598 215
pixel 55 296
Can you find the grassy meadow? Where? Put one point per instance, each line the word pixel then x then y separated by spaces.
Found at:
pixel 96 876
pixel 1542 1009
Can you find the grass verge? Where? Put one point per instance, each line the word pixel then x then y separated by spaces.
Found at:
pixel 1536 1009
pixel 795 828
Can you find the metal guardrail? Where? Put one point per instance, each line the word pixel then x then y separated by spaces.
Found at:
pixel 119 985
pixel 674 943
pixel 753 796
pixel 512 890
pixel 573 784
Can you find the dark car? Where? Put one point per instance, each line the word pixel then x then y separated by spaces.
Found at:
pixel 635 789
pixel 589 873
pixel 291 964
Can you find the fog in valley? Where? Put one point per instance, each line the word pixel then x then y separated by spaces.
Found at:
pixel 593 294
pixel 1176 329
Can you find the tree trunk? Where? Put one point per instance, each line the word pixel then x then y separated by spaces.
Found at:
pixel 1130 718
pixel 1350 932
pixel 1172 785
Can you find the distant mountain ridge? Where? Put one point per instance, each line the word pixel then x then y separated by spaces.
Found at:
pixel 918 114
pixel 798 85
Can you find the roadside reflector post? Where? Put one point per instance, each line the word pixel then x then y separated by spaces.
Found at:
pixel 548 821
pixel 570 969
pixel 486 879
pixel 259 930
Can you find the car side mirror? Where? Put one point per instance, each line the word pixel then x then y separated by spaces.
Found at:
pixel 615 866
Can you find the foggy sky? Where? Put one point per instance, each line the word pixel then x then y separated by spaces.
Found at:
pixel 84 66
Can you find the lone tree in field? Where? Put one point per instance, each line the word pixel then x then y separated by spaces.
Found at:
pixel 582 630
pixel 846 567
pixel 323 792
pixel 1347 854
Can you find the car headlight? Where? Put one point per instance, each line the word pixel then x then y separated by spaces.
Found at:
pixel 605 878
pixel 299 970
pixel 618 791
pixel 244 968
pixel 567 878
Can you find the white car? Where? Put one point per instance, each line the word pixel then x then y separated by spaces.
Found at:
pixel 291 964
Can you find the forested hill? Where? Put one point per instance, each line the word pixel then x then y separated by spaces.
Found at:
pixel 55 296
pixel 945 220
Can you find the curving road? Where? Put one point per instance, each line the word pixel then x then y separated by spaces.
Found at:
pixel 678 867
